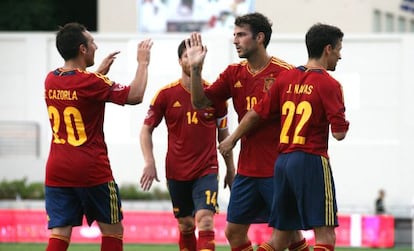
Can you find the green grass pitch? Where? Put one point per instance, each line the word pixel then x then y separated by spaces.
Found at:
pixel 137 247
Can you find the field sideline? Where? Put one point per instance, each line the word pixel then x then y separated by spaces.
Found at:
pixel 136 247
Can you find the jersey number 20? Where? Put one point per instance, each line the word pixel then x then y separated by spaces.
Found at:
pixel 73 122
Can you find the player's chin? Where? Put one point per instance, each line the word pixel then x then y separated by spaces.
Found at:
pixel 242 54
pixel 90 63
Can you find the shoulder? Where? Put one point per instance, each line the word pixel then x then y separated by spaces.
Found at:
pixel 94 76
pixel 331 80
pixel 281 63
pixel 234 69
pixel 238 65
pixel 170 87
pixel 166 91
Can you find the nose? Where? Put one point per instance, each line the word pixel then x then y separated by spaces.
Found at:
pixel 235 40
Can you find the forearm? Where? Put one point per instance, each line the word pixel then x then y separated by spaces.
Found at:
pixel 198 98
pixel 138 84
pixel 246 124
pixel 228 159
pixel 147 145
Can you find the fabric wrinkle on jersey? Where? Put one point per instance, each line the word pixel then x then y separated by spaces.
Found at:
pixel 186 160
pixel 76 103
pixel 258 149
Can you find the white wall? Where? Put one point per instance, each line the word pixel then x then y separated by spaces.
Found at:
pixel 374 70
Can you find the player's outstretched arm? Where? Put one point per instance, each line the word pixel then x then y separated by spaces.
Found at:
pixel 139 83
pixel 246 124
pixel 107 62
pixel 150 172
pixel 196 52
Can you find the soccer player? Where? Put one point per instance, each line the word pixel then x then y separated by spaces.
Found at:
pixel 79 179
pixel 246 83
pixel 191 161
pixel 309 102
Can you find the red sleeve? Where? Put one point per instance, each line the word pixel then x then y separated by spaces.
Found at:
pixel 335 107
pixel 119 94
pixel 221 109
pixel 220 91
pixel 268 106
pixel 156 111
pixel 103 89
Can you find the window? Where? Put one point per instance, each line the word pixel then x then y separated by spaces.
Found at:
pixel 389 22
pixel 377 21
pixel 402 24
pixel 412 25
pixel 19 139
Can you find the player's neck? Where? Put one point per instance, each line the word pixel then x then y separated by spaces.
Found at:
pixel 186 81
pixel 316 64
pixel 257 63
pixel 73 64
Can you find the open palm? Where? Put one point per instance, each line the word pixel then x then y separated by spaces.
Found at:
pixel 196 52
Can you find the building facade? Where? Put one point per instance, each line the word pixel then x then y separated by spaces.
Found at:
pixel 353 16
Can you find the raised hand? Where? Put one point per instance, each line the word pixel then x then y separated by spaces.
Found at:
pixel 196 51
pixel 107 62
pixel 144 49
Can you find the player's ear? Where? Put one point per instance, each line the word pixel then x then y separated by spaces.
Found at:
pixel 82 49
pixel 328 48
pixel 260 37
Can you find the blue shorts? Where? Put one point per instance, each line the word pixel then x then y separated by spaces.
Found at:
pixel 304 192
pixel 190 196
pixel 66 206
pixel 250 200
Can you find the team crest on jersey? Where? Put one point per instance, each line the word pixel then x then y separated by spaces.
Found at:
pixel 268 82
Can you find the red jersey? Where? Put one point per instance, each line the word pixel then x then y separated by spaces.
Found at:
pixel 258 149
pixel 309 100
pixel 192 147
pixel 76 105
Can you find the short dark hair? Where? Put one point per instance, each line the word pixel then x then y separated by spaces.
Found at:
pixel 181 48
pixel 258 23
pixel 68 39
pixel 321 35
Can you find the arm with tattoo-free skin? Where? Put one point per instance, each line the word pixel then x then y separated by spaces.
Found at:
pixel 246 124
pixel 150 170
pixel 139 83
pixel 228 159
pixel 107 62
